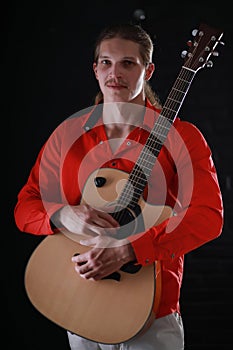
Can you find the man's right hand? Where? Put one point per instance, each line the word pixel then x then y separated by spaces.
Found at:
pixel 84 219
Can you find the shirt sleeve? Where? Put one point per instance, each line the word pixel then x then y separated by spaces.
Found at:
pixel 199 218
pixel 40 197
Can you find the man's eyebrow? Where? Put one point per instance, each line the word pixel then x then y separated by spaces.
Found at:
pixel 124 58
pixel 129 58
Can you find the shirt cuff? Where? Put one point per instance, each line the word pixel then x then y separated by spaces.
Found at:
pixel 143 247
pixel 54 208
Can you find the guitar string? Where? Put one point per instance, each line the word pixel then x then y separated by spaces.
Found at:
pixel 185 77
pixel 158 128
pixel 173 102
pixel 161 124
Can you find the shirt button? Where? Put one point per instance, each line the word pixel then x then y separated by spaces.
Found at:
pixel 173 255
pixel 128 143
pixel 147 261
pixel 113 163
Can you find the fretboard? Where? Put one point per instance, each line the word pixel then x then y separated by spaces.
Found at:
pixel 138 178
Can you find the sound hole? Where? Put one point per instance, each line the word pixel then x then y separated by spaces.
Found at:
pixel 130 220
pixel 127 222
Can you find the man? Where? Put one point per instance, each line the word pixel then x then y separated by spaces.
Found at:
pixel 111 136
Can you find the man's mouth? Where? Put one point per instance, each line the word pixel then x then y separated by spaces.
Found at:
pixel 115 85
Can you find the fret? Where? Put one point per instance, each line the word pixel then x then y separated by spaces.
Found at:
pixel 133 203
pixel 183 80
pixel 170 109
pixel 139 176
pixel 146 167
pixel 174 103
pixel 147 158
pixel 150 151
pixel 156 139
pixel 163 121
pixel 180 87
pixel 152 142
pixel 180 91
pixel 173 100
pixel 167 113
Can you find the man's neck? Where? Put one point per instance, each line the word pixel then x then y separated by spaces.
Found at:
pixel 123 114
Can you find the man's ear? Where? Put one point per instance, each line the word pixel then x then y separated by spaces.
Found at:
pixel 149 71
pixel 95 70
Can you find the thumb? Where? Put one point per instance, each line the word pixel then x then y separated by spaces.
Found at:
pixel 91 242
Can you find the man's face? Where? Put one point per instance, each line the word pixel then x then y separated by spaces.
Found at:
pixel 120 71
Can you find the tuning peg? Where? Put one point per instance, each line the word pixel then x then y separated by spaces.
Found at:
pixel 184 53
pixel 209 64
pixel 194 32
pixel 221 42
pixel 215 53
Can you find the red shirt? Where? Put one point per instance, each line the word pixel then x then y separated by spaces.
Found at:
pixel 183 177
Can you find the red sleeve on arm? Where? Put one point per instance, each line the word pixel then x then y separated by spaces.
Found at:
pixel 199 219
pixel 40 197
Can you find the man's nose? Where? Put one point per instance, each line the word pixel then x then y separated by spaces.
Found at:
pixel 116 71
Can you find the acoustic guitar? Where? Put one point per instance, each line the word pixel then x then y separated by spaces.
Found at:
pixel 117 308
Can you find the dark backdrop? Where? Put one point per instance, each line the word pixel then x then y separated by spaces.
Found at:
pixel 47 71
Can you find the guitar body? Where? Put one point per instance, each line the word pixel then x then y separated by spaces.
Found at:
pixel 107 311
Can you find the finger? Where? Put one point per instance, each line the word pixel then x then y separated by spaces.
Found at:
pixel 90 275
pixel 104 219
pixel 95 229
pixel 83 270
pixel 80 259
pixel 101 241
pixel 111 231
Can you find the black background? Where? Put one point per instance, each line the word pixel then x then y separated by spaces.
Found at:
pixel 47 76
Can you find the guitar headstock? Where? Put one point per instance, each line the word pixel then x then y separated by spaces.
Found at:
pixel 202 47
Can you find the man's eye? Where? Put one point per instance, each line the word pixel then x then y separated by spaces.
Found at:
pixel 105 62
pixel 127 63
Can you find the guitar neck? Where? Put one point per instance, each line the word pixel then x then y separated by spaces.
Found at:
pixel 200 50
pixel 141 171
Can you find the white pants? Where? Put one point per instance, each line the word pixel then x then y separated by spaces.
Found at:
pixel 165 333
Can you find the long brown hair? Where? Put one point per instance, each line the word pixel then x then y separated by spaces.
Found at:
pixel 134 33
